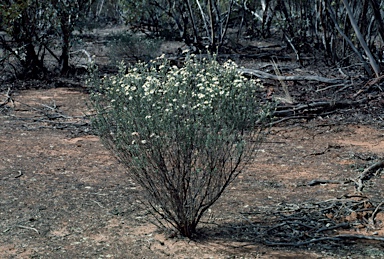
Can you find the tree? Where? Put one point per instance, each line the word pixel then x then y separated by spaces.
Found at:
pixel 30 30
pixel 203 24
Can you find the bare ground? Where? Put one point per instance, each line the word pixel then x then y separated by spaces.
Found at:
pixel 63 195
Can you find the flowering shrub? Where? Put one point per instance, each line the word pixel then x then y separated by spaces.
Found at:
pixel 183 133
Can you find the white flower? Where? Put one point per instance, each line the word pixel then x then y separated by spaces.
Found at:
pixel 237 81
pixel 196 106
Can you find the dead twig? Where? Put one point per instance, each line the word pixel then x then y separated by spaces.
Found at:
pixel 317 182
pixel 8 98
pixel 19 175
pixel 313 107
pixel 328 148
pixel 367 174
pixel 311 222
pixel 273 123
pixel 329 87
pixel 374 213
pixel 98 203
pixel 53 107
pixel 341 225
pixel 30 228
pixel 369 84
pixel 55 114
pixel 287 98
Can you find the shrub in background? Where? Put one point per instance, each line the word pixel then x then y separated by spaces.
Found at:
pixel 184 134
pixel 133 47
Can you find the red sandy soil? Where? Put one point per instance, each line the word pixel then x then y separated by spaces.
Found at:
pixel 63 195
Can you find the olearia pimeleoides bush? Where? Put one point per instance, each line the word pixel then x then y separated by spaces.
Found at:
pixel 184 134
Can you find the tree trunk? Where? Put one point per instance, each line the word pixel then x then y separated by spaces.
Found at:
pixel 213 28
pixel 378 18
pixel 66 36
pixel 32 64
pixel 372 60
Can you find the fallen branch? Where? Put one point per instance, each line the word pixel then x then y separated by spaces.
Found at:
pixel 313 107
pixel 331 238
pixel 7 99
pixel 313 222
pixel 273 123
pixel 341 225
pixel 318 182
pixel 264 75
pixel 372 218
pixel 367 174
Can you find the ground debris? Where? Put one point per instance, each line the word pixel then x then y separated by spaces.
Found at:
pixel 326 221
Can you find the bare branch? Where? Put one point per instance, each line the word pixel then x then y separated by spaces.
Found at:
pixel 264 75
pixel 372 60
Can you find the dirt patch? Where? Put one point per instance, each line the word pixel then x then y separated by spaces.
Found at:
pixel 62 194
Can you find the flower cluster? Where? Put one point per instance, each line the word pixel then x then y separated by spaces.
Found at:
pixel 156 98
pixel 182 133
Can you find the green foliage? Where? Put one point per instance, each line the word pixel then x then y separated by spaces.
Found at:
pixel 184 134
pixel 30 30
pixel 162 18
pixel 26 24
